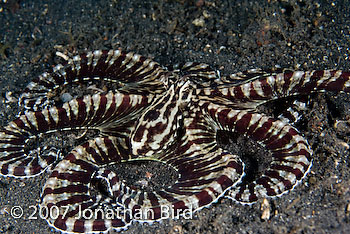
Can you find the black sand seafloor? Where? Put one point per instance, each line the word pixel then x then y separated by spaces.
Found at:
pixel 229 35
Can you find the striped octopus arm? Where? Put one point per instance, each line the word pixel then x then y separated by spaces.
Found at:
pixel 291 154
pixel 89 112
pixel 115 69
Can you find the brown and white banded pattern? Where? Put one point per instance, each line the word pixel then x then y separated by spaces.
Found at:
pixel 143 111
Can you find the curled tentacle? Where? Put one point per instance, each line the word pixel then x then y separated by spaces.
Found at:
pixel 126 72
pixel 291 154
pixel 69 186
pixel 69 195
pixel 89 112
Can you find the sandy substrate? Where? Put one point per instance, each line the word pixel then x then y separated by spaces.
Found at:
pixel 231 36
